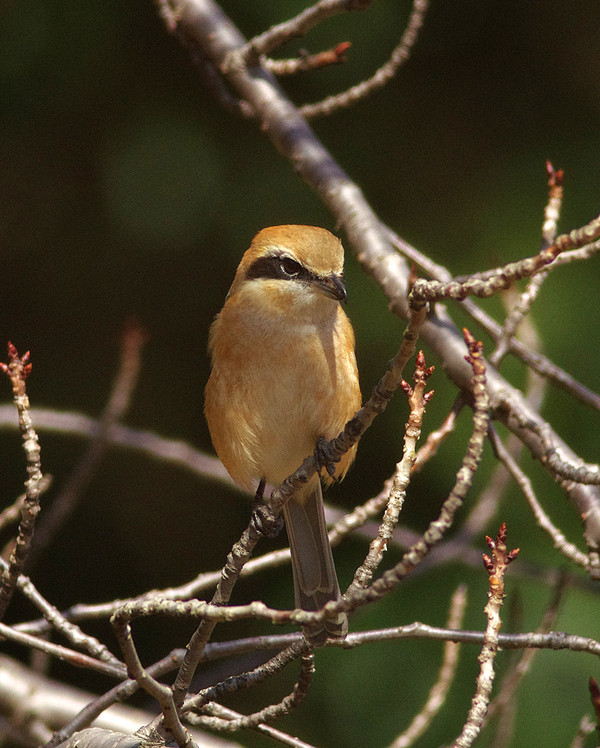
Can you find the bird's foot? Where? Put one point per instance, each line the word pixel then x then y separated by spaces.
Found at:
pixel 265 522
pixel 325 457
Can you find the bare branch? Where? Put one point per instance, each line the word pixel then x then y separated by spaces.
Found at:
pixel 559 540
pixel 72 632
pixel 64 504
pixel 417 399
pixel 305 62
pixel 437 528
pixel 17 370
pixel 148 443
pixel 62 653
pixel 274 711
pixel 300 649
pixel 490 282
pixel 447 671
pixel 218 710
pixel 278 35
pixel 381 77
pixel 586 727
pixel 506 700
pixel 554 204
pixel 496 568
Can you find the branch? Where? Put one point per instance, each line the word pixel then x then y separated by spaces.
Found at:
pixel 17 370
pixel 51 704
pixel 59 623
pixel 560 542
pixel 418 399
pixel 269 713
pixel 153 445
pixel 381 77
pixel 490 282
pixel 447 671
pixel 305 62
pixel 496 569
pixel 278 35
pixel 126 378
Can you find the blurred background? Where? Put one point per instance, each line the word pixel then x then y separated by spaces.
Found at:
pixel 126 192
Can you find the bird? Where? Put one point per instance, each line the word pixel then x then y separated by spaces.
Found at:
pixel 283 378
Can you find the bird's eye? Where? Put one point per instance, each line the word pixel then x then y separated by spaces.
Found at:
pixel 290 267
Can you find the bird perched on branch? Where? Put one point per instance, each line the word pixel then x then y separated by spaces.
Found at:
pixel 284 377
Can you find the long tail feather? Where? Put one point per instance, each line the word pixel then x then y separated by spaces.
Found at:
pixel 315 579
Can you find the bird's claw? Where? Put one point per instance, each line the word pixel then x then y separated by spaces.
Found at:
pixel 325 458
pixel 267 525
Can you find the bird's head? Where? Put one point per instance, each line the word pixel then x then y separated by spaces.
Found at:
pixel 303 263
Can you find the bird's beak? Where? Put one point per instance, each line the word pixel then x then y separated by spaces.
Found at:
pixel 333 286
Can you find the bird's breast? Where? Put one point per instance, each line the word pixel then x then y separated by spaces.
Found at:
pixel 284 380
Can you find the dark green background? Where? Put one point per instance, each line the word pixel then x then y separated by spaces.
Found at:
pixel 125 190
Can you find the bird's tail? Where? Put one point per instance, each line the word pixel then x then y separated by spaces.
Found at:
pixel 315 580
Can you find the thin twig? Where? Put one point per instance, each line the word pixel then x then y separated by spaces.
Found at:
pixel 78 659
pixel 13 512
pixel 554 204
pixel 260 521
pixel 549 230
pixel 381 77
pixel 561 466
pixel 439 691
pixel 148 443
pixel 537 361
pixel 305 62
pixel 559 541
pixel 418 400
pixel 269 713
pixel 65 503
pixel 218 710
pixel 576 255
pixel 58 622
pixel 281 33
pixel 17 370
pixel 490 282
pixel 496 568
pixel 438 527
pixel 506 699
pixel 297 650
pixel 586 727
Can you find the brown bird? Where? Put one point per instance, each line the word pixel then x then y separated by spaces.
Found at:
pixel 283 376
